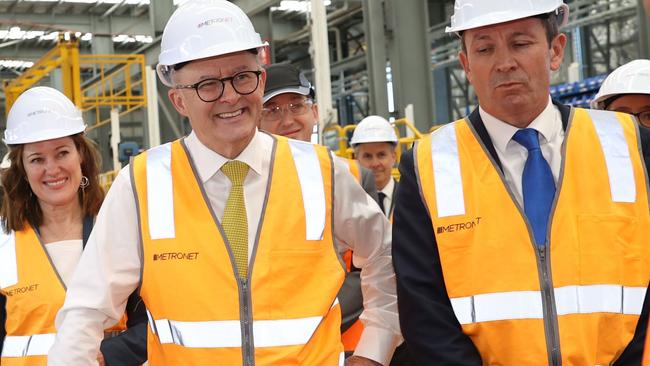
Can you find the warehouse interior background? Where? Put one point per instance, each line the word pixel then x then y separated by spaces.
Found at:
pixel 386 57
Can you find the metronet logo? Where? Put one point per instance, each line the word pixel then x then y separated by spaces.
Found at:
pixel 458 227
pixel 176 256
pixel 23 290
pixel 214 21
pixel 40 111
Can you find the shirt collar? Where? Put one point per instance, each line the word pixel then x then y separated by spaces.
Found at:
pixel 388 189
pixel 547 123
pixel 208 162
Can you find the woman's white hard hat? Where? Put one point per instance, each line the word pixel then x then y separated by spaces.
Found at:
pixel 42 113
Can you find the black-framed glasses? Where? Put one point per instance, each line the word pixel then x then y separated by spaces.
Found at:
pixel 274 112
pixel 209 90
pixel 643 117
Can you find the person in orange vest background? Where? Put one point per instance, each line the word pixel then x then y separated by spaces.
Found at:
pixel 231 234
pixel 51 195
pixel 520 232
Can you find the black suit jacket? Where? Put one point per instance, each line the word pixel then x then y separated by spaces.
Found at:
pixel 428 323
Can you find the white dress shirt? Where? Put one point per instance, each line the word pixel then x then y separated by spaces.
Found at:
pixel 513 155
pixel 388 191
pixel 110 268
pixel 65 256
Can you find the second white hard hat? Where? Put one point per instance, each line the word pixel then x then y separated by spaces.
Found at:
pixel 469 14
pixel 204 28
pixel 42 113
pixel 631 78
pixel 373 129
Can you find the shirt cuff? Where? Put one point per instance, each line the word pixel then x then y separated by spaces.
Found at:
pixel 377 344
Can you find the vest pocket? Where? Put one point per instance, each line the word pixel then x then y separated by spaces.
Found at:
pixel 607 250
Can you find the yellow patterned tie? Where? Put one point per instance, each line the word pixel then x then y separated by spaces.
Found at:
pixel 234 221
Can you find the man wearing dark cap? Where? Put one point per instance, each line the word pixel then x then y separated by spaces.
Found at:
pixel 290 110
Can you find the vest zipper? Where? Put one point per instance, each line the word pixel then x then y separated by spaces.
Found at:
pixel 548 307
pixel 248 347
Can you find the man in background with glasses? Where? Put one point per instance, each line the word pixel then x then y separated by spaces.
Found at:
pixel 230 270
pixel 290 111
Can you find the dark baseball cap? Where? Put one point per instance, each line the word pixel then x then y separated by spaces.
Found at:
pixel 284 78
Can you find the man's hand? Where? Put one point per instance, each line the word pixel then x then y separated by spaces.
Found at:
pixel 360 361
pixel 100 359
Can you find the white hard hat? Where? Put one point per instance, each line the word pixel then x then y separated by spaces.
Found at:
pixel 631 78
pixel 204 28
pixel 42 113
pixel 373 129
pixel 469 14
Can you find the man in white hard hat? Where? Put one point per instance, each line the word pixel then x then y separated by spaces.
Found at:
pixel 231 272
pixel 520 232
pixel 627 90
pixel 374 142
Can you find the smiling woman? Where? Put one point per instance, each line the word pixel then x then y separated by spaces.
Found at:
pixel 51 195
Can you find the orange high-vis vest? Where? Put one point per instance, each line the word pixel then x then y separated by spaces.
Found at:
pixel 34 293
pixel 574 301
pixel 201 313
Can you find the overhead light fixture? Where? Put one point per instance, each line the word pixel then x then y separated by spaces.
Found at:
pixel 296 5
pixel 16 64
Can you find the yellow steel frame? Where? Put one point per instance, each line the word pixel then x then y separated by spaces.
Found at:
pixel 115 85
pixel 66 56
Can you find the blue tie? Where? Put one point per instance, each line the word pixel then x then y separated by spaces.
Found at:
pixel 537 184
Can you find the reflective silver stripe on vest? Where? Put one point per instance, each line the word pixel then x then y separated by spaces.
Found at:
pixel 448 182
pixel 227 333
pixel 8 260
pixel 22 346
pixel 568 300
pixel 617 155
pixel 311 185
pixel 160 192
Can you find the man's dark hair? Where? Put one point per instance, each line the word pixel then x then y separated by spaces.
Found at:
pixel 550 21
